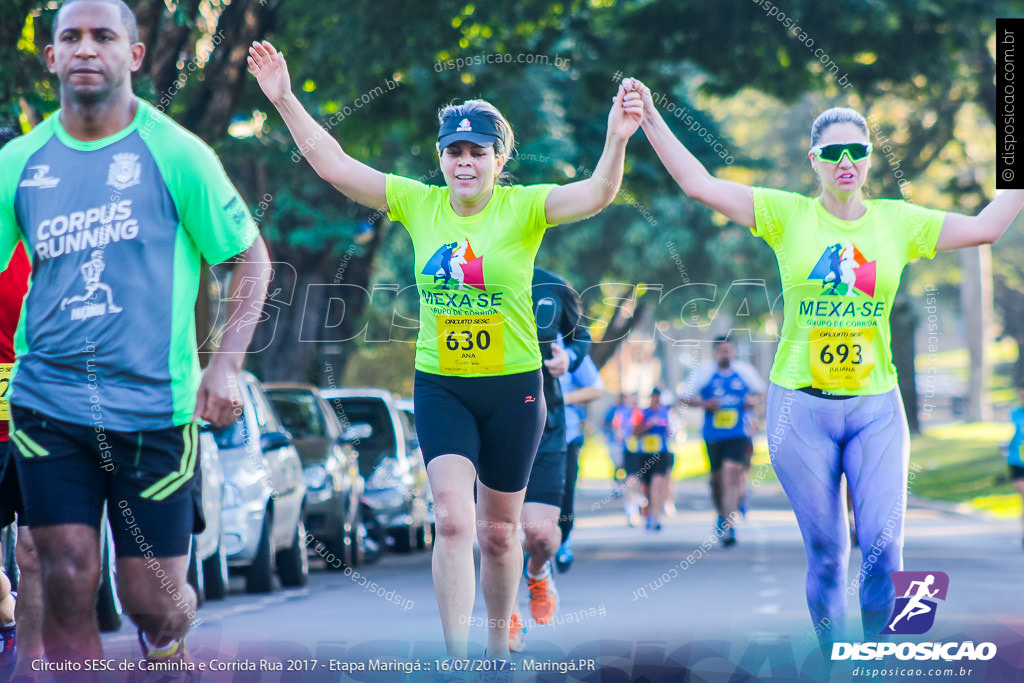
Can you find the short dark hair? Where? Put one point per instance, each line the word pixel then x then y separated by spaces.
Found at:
pixel 719 341
pixel 7 134
pixel 127 17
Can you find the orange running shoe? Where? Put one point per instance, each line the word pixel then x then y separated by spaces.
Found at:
pixel 516 631
pixel 543 596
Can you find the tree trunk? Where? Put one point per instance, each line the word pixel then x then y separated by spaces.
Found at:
pixel 623 320
pixel 903 323
pixel 212 102
pixel 294 344
pixel 976 301
pixel 167 37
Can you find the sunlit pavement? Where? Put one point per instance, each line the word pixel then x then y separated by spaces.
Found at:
pixel 631 594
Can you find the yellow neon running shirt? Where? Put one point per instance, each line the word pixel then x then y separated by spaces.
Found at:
pixel 839 279
pixel 474 277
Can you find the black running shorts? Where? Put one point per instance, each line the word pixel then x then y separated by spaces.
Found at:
pixel 737 450
pixel 495 422
pixel 547 479
pixel 646 465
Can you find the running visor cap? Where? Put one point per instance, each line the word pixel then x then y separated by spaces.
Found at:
pixel 833 154
pixel 480 130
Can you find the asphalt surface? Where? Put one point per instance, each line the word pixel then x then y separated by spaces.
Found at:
pixel 636 605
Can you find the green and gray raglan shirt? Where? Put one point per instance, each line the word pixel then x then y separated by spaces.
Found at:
pixel 115 229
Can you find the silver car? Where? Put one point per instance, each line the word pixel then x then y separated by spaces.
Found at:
pixel 331 468
pixel 208 564
pixel 264 495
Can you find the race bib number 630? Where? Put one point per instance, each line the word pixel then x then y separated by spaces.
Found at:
pixel 470 344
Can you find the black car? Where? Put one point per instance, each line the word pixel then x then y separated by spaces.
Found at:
pixel 330 468
pixel 397 507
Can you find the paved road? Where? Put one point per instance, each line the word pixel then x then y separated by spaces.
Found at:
pixel 635 604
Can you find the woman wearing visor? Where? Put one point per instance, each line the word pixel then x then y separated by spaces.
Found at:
pixel 478 397
pixel 833 404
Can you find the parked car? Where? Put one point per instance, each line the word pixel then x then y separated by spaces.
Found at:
pixel 396 504
pixel 406 406
pixel 208 564
pixel 264 494
pixel 330 467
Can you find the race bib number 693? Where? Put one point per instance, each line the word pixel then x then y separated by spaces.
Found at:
pixel 841 358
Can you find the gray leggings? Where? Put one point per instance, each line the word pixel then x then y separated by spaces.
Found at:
pixel 812 443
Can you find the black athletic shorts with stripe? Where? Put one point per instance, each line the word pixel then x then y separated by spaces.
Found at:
pixel 149 479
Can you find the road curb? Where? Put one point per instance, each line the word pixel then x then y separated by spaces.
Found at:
pixel 964 509
pixel 598 488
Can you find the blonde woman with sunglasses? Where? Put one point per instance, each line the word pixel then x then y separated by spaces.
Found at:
pixel 833 405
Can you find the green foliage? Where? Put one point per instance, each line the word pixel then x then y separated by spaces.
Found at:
pixel 24 30
pixel 750 82
pixel 960 469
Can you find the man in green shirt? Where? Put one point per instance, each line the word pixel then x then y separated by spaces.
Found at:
pixel 106 398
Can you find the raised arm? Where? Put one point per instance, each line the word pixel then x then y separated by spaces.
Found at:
pixel 352 178
pixel 960 231
pixel 733 200
pixel 584 198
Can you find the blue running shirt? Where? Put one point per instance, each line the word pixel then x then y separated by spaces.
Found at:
pixel 730 388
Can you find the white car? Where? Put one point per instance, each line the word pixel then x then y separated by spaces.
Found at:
pixel 264 494
pixel 208 565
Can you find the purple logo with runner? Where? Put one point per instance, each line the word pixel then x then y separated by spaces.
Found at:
pixel 916 593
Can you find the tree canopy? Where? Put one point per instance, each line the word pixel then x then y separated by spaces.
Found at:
pixel 739 82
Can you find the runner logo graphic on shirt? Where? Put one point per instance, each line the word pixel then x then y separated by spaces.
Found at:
pixel 124 172
pixel 91 273
pixel 914 612
pixel 455 265
pixel 844 271
pixel 40 179
pixel 470 325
